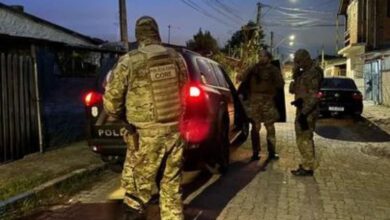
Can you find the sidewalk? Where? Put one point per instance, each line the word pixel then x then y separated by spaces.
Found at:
pixel 377 114
pixel 22 179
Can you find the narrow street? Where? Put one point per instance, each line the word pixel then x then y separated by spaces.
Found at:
pixel 76 75
pixel 352 182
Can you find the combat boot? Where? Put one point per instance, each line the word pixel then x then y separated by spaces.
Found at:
pixel 302 172
pixel 255 137
pixel 271 151
pixel 133 214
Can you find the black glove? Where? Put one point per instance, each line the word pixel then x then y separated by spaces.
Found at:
pixel 302 120
pixel 131 129
pixel 297 103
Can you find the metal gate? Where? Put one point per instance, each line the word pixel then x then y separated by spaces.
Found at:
pixel 19 133
pixel 372 81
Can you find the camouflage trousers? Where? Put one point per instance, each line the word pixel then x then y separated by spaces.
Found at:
pixel 305 143
pixel 262 109
pixel 156 164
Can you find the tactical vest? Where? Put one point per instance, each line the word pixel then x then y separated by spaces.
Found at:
pixel 154 95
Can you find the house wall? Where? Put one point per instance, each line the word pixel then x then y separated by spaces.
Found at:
pixel 386 81
pixel 386 87
pixel 14 24
pixel 63 110
pixel 383 17
pixel 352 23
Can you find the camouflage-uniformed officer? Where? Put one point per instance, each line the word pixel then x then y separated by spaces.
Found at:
pixel 145 85
pixel 264 81
pixel 307 79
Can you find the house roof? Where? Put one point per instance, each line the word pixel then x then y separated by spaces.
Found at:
pixel 336 61
pixel 63 30
pixel 372 55
pixel 343 7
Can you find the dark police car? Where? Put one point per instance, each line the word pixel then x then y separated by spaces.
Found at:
pixel 210 94
pixel 339 95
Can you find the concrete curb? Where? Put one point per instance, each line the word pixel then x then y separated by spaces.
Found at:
pixel 11 203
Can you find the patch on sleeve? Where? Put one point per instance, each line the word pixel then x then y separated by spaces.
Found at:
pixel 163 72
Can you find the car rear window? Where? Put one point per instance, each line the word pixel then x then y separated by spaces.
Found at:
pixel 207 72
pixel 219 74
pixel 338 84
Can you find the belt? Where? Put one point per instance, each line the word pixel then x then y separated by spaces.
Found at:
pixel 158 130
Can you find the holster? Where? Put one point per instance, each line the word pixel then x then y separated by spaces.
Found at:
pixel 131 137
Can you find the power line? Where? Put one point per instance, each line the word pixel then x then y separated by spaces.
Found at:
pixel 225 14
pixel 303 25
pixel 325 3
pixel 204 12
pixel 229 9
pixel 298 10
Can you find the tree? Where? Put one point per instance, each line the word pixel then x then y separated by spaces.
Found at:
pixel 243 36
pixel 203 43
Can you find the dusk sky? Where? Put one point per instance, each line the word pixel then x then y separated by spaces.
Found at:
pixel 99 18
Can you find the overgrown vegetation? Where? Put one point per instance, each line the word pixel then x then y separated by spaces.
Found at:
pixel 239 51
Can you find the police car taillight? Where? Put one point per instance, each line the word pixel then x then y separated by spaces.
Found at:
pixel 320 95
pixel 92 98
pixel 194 91
pixel 195 120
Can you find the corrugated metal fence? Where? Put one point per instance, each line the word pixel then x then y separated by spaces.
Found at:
pixel 373 81
pixel 386 81
pixel 19 134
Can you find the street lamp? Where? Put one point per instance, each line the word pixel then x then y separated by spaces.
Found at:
pixel 290 37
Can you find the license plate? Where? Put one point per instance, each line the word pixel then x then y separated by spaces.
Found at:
pixel 336 109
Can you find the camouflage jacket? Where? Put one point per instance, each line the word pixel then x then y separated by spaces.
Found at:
pixel 262 79
pixel 129 90
pixel 306 86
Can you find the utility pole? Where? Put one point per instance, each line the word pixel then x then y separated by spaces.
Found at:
pixel 323 57
pixel 258 17
pixel 169 34
pixel 123 24
pixel 337 34
pixel 271 44
pixel 258 25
